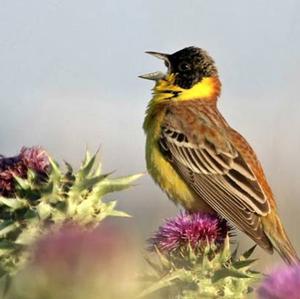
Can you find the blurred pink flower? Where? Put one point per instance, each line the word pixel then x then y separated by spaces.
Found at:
pixel 283 283
pixel 75 262
pixel 74 251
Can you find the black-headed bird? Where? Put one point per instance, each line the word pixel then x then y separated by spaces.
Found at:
pixel 199 160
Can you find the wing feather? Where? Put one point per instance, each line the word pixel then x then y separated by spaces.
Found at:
pixel 221 178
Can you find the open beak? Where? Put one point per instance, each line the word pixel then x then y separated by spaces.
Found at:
pixel 156 75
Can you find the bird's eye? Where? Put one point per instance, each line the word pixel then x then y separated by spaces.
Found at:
pixel 167 63
pixel 183 66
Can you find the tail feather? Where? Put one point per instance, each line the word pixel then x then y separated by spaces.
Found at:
pixel 287 251
pixel 280 241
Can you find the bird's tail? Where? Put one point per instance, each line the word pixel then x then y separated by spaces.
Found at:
pixel 280 241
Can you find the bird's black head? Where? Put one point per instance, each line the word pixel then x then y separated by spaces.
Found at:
pixel 189 65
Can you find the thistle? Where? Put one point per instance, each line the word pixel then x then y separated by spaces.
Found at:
pixel 281 283
pixel 192 259
pixel 37 196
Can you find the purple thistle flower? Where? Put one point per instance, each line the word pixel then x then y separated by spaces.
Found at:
pixel 10 167
pixel 34 158
pixel 283 283
pixel 195 230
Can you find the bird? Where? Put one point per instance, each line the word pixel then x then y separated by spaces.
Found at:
pixel 199 161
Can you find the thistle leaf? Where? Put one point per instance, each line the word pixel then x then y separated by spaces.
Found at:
pixel 243 263
pixel 249 252
pixel 55 171
pixel 6 244
pixel 6 227
pixel 87 165
pixel 225 253
pixel 24 184
pixel 224 273
pixel 44 210
pixel 234 254
pixel 13 203
pixel 118 184
pixel 88 183
pixel 69 167
pixel 163 283
pixel 117 213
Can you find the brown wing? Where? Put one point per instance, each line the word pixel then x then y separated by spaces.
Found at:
pixel 217 172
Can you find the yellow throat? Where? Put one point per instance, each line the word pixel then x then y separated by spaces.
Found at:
pixel 207 89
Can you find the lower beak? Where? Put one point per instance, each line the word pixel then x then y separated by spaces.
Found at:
pixel 156 75
pixel 153 76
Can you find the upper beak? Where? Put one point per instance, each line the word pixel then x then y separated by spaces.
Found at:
pixel 158 55
pixel 156 75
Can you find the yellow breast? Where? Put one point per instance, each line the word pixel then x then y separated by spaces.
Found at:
pixel 163 172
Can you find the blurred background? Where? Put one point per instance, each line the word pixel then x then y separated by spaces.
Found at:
pixel 68 81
